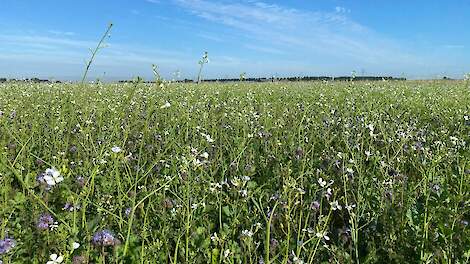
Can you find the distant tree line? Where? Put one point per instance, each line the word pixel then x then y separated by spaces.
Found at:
pixel 293 79
pixel 271 79
pixel 31 80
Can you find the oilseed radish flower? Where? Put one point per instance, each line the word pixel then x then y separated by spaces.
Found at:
pixel 55 259
pixel 116 149
pixel 322 182
pixel 52 177
pixel 247 233
pixel 75 245
pixel 166 105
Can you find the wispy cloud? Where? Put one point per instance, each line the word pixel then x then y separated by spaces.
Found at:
pixel 303 34
pixel 263 49
pixel 42 55
pixel 210 37
pixel 454 46
pixel 62 33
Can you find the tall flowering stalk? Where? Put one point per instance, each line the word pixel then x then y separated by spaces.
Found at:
pixel 95 51
pixel 202 61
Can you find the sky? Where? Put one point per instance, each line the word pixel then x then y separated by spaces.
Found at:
pixel 414 39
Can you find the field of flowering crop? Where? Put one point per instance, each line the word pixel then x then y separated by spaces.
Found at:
pixel 319 172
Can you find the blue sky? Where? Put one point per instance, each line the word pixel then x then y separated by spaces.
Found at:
pixel 417 39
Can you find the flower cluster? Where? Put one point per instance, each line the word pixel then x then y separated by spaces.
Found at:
pixel 6 245
pixel 105 238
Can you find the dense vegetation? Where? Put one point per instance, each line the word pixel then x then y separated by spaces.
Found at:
pixel 337 172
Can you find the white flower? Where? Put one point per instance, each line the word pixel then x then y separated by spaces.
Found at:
pixel 247 233
pixel 329 193
pixel 349 170
pixel 205 155
pixel 55 259
pixel 226 253
pixel 322 182
pixel 246 178
pixel 350 207
pixel 335 206
pixel 322 235
pixel 75 245
pixel 116 149
pixel 52 177
pixel 166 105
pixel 296 260
pixel 208 138
pixel 467 118
pixel 54 226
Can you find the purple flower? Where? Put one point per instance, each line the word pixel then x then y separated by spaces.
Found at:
pixel 6 245
pixel 45 221
pixel 128 211
pixel 70 207
pixel 315 205
pixel 79 260
pixel 40 179
pixel 80 180
pixel 104 238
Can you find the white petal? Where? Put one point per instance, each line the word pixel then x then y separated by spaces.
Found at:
pixel 55 173
pixel 53 256
pixel 59 179
pixel 49 180
pixel 59 259
pixel 50 262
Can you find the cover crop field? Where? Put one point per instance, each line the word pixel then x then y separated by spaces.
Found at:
pixel 319 172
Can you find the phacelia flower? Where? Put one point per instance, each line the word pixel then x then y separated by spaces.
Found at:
pixel 315 205
pixel 70 207
pixel 80 180
pixel 45 221
pixel 79 260
pixel 6 245
pixel 128 211
pixel 104 238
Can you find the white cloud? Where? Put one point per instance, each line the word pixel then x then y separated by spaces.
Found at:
pixel 343 10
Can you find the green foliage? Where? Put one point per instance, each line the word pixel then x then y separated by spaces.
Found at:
pixel 320 172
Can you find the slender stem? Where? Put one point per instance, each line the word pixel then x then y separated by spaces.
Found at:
pixel 94 52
